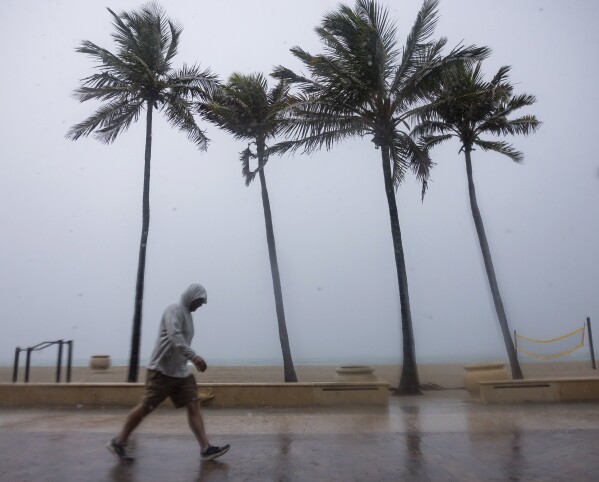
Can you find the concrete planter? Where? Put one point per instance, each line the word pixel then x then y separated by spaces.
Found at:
pixel 99 362
pixel 481 373
pixel 355 374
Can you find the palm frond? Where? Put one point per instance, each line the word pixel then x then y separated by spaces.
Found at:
pixel 103 86
pixel 175 35
pixel 311 118
pixel 430 141
pixel 429 127
pixel 382 33
pixel 192 82
pixel 406 153
pixel 123 35
pixel 419 78
pixel 500 125
pixel 421 31
pixel 107 59
pixel 246 172
pixel 501 147
pixel 311 143
pixel 220 115
pixel 278 96
pixel 524 125
pixel 108 121
pixel 179 112
pixel 304 83
pixel 433 70
pixel 518 101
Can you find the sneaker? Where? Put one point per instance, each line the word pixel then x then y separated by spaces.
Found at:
pixel 212 451
pixel 119 450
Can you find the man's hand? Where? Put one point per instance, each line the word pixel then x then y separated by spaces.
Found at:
pixel 199 363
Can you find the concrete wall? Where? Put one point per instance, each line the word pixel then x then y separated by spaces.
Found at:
pixel 540 390
pixel 225 394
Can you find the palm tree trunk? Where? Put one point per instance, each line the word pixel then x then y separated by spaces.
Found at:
pixel 141 264
pixel 288 368
pixel 409 383
pixel 484 247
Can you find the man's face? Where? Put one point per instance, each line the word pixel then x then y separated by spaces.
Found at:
pixel 195 304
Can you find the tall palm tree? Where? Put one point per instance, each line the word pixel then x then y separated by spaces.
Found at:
pixel 245 108
pixel 140 76
pixel 468 108
pixel 364 85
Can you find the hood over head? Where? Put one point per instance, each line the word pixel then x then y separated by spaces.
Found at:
pixel 194 292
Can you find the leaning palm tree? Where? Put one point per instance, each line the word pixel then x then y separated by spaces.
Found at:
pixel 468 108
pixel 364 85
pixel 140 76
pixel 245 108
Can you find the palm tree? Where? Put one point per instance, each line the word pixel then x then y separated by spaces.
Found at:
pixel 363 85
pixel 468 108
pixel 245 108
pixel 140 76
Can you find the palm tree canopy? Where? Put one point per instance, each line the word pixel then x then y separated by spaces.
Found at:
pixel 245 107
pixel 468 107
pixel 363 84
pixel 138 74
pixel 248 110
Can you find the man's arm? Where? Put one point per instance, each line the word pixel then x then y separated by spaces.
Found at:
pixel 173 321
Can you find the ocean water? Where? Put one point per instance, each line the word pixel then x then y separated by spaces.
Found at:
pixel 51 360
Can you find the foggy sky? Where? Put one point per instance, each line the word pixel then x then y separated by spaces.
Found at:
pixel 70 212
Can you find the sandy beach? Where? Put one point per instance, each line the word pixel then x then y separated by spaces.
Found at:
pixel 450 375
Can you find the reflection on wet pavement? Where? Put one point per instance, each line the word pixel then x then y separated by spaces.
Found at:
pixel 439 436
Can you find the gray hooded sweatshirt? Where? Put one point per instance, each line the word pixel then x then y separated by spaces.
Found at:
pixel 172 350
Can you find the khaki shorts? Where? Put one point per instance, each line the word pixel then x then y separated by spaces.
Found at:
pixel 180 390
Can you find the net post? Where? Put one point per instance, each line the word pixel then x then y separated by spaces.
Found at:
pixel 593 364
pixel 27 364
pixel 69 360
pixel 15 369
pixel 59 361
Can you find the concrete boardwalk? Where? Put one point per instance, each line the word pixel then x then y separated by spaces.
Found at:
pixel 441 436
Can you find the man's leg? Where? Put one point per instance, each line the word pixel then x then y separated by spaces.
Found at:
pixel 118 444
pixel 196 423
pixel 134 418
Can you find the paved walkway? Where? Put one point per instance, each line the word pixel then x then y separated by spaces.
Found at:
pixel 440 436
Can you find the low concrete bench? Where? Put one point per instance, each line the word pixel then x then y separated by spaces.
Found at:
pixel 252 395
pixel 576 389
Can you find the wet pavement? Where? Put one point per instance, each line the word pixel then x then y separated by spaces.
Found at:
pixel 441 436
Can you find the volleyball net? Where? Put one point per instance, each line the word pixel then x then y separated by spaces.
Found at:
pixel 549 349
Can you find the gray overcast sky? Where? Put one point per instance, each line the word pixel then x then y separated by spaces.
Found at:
pixel 71 211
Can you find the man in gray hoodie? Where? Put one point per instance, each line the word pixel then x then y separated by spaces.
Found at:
pixel 169 375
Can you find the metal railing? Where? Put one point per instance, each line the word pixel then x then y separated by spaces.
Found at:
pixel 41 346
